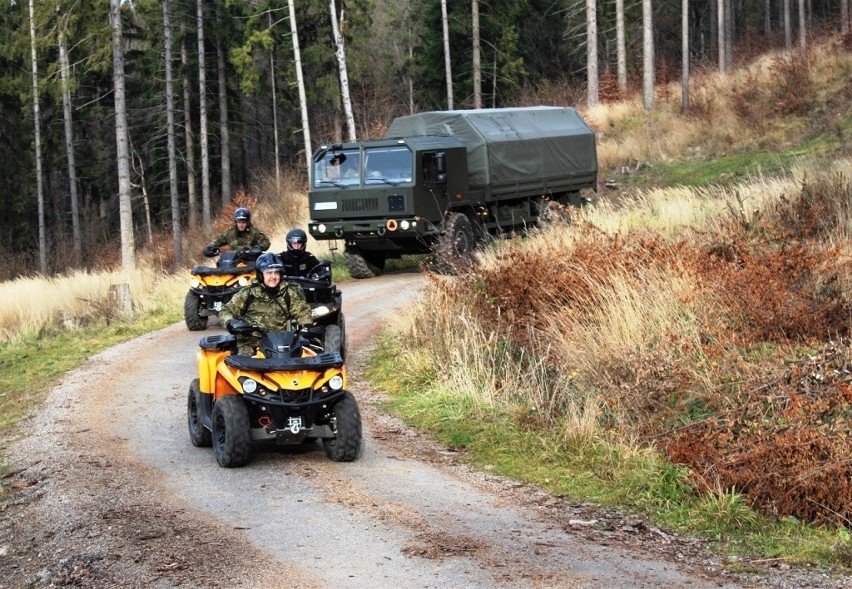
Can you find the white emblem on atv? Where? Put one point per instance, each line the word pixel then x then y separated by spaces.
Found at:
pixel 295 424
pixel 217 305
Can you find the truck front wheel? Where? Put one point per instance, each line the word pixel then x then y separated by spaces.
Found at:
pixel 454 250
pixel 364 265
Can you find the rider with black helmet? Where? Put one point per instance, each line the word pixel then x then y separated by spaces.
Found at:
pixel 242 235
pixel 297 260
pixel 270 303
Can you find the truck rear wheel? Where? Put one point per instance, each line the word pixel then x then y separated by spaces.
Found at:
pixel 454 250
pixel 363 265
pixel 191 308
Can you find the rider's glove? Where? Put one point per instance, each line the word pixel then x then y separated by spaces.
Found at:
pixel 238 327
pixel 211 250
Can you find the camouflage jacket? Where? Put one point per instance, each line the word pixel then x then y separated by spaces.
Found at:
pixel 257 306
pixel 240 239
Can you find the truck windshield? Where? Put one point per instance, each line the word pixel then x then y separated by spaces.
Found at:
pixel 390 165
pixel 338 168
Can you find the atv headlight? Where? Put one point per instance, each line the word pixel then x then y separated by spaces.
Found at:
pixel 249 385
pixel 320 311
pixel 335 383
pixel 195 283
pixel 243 281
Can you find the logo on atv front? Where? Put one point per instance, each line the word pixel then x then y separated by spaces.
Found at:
pixel 217 305
pixel 295 424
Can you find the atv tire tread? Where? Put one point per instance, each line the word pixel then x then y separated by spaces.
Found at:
pixel 191 306
pixel 198 434
pixel 231 433
pixel 346 446
pixel 333 340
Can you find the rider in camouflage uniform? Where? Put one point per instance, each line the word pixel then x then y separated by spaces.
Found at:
pixel 269 303
pixel 243 234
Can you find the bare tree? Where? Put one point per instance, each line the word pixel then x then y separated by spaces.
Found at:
pixel 684 58
pixel 592 53
pixel 647 55
pixel 224 128
pixel 620 45
pixel 340 52
pixel 788 27
pixel 729 35
pixel 720 29
pixel 125 211
pixel 189 141
pixel 274 112
pixel 64 70
pixel 202 107
pixel 303 102
pixel 767 17
pixel 170 131
pixel 42 238
pixel 477 59
pixel 447 67
pixel 802 27
pixel 844 15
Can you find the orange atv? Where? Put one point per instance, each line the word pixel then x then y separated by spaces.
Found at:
pixel 287 393
pixel 211 288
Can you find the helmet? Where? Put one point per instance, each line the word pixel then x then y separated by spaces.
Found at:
pixel 242 214
pixel 266 262
pixel 295 236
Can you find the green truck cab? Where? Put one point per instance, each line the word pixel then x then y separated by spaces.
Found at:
pixel 440 182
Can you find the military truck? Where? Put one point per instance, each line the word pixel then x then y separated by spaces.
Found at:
pixel 440 182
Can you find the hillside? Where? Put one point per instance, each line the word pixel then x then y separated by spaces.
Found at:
pixel 679 348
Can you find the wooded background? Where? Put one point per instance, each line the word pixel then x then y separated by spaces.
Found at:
pixel 61 187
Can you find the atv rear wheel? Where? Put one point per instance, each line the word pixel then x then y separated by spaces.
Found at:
pixel 333 339
pixel 200 435
pixel 231 434
pixel 191 308
pixel 346 423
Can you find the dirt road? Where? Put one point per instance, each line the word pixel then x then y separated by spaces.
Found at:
pixel 108 491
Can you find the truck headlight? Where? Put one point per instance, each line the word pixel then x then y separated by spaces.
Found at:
pixel 335 383
pixel 404 224
pixel 321 227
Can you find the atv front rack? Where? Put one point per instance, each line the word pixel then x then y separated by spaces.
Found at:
pixel 319 362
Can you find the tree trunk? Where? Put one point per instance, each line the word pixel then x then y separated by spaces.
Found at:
pixel 42 231
pixel 143 189
pixel 224 129
pixel 844 15
pixel 303 102
pixel 802 27
pixel 592 53
pixel 684 59
pixel 647 55
pixel 767 17
pixel 788 27
pixel 189 141
pixel 720 29
pixel 340 52
pixel 272 83
pixel 125 211
pixel 64 69
pixel 620 45
pixel 477 58
pixel 729 35
pixel 447 67
pixel 170 129
pixel 202 107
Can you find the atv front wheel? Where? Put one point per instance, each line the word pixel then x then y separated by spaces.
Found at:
pixel 200 435
pixel 346 423
pixel 191 308
pixel 231 434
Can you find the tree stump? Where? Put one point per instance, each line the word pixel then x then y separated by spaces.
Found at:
pixel 119 294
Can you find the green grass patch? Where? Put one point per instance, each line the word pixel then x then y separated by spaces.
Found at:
pixel 29 369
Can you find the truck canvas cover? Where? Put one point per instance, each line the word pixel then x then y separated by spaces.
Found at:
pixel 506 145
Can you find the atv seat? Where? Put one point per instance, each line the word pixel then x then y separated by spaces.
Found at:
pixel 218 342
pixel 208 271
pixel 319 362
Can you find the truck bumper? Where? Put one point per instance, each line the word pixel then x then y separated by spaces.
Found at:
pixel 381 233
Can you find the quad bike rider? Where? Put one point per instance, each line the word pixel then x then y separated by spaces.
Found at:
pixel 211 288
pixel 303 268
pixel 284 392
